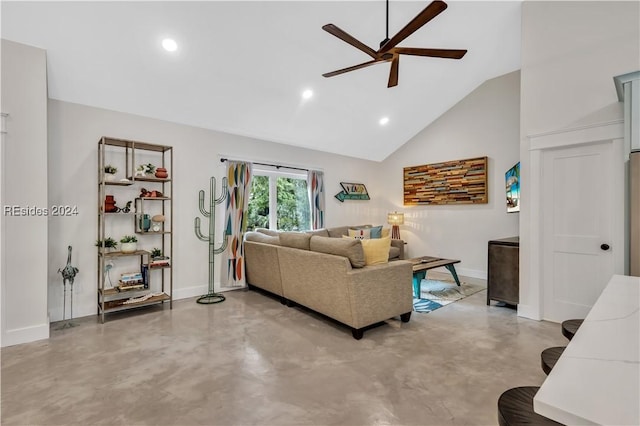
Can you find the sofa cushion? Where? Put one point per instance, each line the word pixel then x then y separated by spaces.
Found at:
pixel 376 231
pixel 350 248
pixel 322 232
pixel 299 240
pixel 268 231
pixel 338 232
pixel 376 251
pixel 259 237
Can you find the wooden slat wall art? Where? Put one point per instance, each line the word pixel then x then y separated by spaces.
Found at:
pixel 450 182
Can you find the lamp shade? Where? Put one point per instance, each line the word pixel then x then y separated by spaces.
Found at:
pixel 395 218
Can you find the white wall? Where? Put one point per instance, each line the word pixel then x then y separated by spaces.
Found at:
pixel 24 166
pixel 485 123
pixel 570 53
pixel 74 131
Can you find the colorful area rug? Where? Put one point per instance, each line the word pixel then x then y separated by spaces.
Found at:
pixel 435 294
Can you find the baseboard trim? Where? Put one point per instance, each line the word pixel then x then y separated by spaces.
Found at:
pixel 25 335
pixel 465 272
pixel 526 311
pixel 199 290
pixel 186 293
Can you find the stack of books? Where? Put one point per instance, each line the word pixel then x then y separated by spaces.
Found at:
pixel 131 281
pixel 159 262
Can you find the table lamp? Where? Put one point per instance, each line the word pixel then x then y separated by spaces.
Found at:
pixel 395 219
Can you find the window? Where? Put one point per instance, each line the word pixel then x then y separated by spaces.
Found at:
pixel 279 200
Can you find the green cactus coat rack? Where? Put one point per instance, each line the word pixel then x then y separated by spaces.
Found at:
pixel 211 296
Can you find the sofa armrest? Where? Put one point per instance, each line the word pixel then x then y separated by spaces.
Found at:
pixel 400 245
pixel 379 292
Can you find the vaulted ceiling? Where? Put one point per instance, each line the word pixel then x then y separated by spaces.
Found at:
pixel 241 66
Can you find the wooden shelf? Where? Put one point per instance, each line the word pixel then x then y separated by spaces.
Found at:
pixel 148 179
pixel 119 305
pixel 121 254
pixel 124 143
pixel 134 292
pixel 154 198
pixel 118 183
pixel 153 232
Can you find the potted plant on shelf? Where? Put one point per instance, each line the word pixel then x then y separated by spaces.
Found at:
pixel 156 252
pixel 129 244
pixel 109 243
pixel 110 173
pixel 145 170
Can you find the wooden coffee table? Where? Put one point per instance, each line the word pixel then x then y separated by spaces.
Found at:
pixel 422 264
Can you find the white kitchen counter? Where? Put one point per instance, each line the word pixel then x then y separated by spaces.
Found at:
pixel 597 378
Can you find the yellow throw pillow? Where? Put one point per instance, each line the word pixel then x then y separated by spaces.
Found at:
pixel 376 250
pixel 386 232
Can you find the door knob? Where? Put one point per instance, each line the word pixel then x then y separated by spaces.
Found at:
pixel 605 247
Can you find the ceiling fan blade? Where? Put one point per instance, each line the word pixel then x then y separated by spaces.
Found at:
pixel 434 9
pixel 435 53
pixel 353 68
pixel 393 75
pixel 342 35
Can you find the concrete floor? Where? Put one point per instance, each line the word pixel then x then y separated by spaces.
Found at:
pixel 251 360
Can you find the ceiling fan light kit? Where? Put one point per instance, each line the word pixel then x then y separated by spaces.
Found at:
pixel 388 51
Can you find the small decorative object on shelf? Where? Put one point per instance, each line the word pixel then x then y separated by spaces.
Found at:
pixel 109 243
pixel 159 262
pixel 110 204
pixel 129 244
pixel 141 298
pixel 155 252
pixel 161 173
pixel 147 169
pixel 145 223
pixel 126 208
pixel 156 222
pixel 110 173
pixel 150 194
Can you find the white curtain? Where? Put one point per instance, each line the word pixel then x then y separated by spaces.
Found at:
pixel 315 185
pixel 239 183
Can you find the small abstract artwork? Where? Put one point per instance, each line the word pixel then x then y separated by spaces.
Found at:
pixel 449 182
pixel 352 191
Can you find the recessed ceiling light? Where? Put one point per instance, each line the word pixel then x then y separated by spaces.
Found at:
pixel 169 45
pixel 307 94
pixel 384 121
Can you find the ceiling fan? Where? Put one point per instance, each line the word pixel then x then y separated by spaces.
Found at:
pixel 388 51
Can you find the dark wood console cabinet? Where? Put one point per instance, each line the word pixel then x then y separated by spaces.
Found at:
pixel 503 270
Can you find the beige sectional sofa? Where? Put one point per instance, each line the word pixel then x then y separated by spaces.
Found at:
pixel 326 273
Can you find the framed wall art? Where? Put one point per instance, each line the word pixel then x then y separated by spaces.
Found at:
pixel 449 182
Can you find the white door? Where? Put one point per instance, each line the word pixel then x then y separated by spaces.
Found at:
pixel 578 251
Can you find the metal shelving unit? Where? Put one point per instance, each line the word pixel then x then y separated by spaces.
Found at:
pixel 158 278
